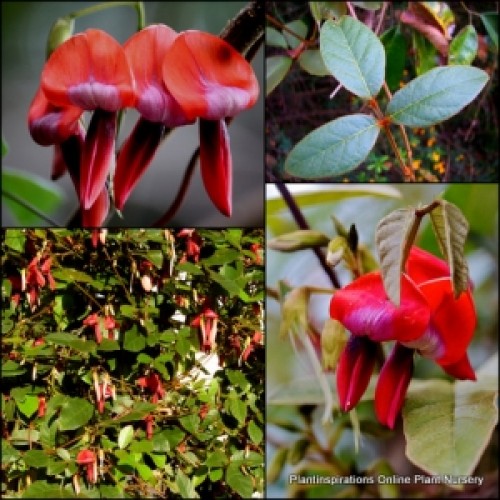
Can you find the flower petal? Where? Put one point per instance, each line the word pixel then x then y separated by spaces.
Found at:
pixel 134 158
pixel 461 369
pixel 145 51
pixel 364 309
pixel 90 70
pixel 453 320
pixel 354 370
pixel 213 81
pixel 422 266
pixel 216 164
pixel 97 156
pixel 392 384
pixel 97 213
pixel 49 124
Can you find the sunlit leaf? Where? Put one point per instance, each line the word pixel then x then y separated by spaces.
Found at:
pixel 334 148
pixel 437 95
pixel 125 436
pixel 354 55
pixel 238 481
pixel 463 47
pixel 393 237
pixel 451 228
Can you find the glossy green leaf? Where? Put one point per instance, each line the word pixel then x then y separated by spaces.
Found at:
pixel 448 425
pixel 68 274
pixel 125 436
pixel 222 256
pixel 70 340
pixel 216 459
pixel 35 191
pixel 276 69
pixel 437 95
pixel 463 47
pixel 12 369
pixel 354 55
pixel 15 239
pixel 334 148
pixel 155 257
pixel 395 51
pixel 238 481
pixel 75 413
pixel 237 408
pixel 394 237
pixel 426 55
pixel 274 38
pixel 311 61
pixel 9 453
pixel 490 21
pixel 28 406
pixel 228 284
pixel 190 268
pixel 451 228
pixel 185 485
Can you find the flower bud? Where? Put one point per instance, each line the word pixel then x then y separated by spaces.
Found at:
pixel 333 340
pixel 61 30
pixel 298 240
pixel 294 311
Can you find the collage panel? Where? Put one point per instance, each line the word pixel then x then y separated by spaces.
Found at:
pixel 381 383
pixel 381 249
pixel 133 115
pixel 133 318
pixel 132 363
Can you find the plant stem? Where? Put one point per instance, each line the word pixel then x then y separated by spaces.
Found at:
pixel 138 6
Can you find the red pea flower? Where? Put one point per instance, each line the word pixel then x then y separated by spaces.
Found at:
pixel 88 459
pixel 154 385
pixel 207 323
pixel 94 320
pixel 193 243
pixel 91 71
pixel 429 320
pixel 145 51
pixel 212 82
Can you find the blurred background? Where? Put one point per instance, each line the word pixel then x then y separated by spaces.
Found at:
pixel 292 391
pixel 25 26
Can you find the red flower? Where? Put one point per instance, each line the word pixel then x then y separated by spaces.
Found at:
pixel 429 320
pixel 94 320
pixel 87 72
pixel 145 51
pixel 193 243
pixel 207 323
pixel 154 385
pixel 212 82
pixel 88 459
pixel 42 405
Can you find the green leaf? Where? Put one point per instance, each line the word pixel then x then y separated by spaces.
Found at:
pixel 276 69
pixel 75 413
pixel 68 274
pixel 255 432
pixel 216 459
pixel 299 28
pixel 155 257
pixel 125 436
pixel 35 191
pixel 70 340
pixel 143 446
pixel 228 284
pixel 490 21
pixel 394 236
pixel 28 406
pixel 238 409
pixel 334 148
pixel 238 481
pixel 275 39
pixel 144 471
pixel 9 453
pixel 5 147
pixel 190 268
pixel 436 95
pixel 448 425
pixel 395 51
pixel 12 369
pixel 36 458
pixel 277 463
pixel 134 340
pixel 451 228
pixel 190 423
pixel 354 55
pixel 42 489
pixel 463 47
pixel 185 485
pixel 312 62
pixel 222 256
pixel 15 239
pixel 298 240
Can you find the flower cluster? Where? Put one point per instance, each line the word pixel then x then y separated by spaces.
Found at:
pixel 171 78
pixel 429 320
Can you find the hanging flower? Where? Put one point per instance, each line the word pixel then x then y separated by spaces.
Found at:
pixel 206 321
pixel 159 110
pixel 88 459
pixel 429 321
pixel 153 384
pixel 213 82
